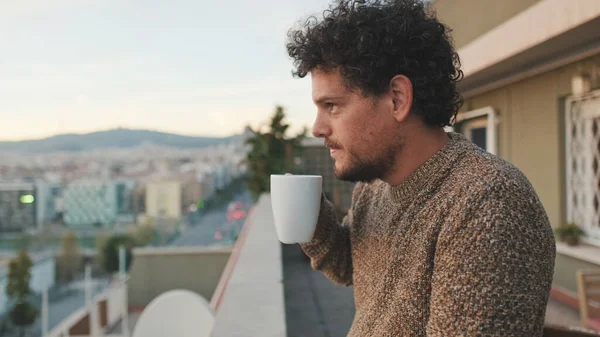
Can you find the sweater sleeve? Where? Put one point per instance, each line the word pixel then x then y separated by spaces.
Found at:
pixel 330 249
pixel 493 268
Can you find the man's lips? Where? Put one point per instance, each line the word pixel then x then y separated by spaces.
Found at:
pixel 333 147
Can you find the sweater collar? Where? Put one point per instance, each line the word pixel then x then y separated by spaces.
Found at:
pixel 431 172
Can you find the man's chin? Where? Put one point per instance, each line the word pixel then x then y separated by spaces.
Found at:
pixel 343 175
pixel 338 173
pixel 354 175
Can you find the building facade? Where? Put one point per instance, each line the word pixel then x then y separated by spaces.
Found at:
pixel 126 201
pixel 18 210
pixel 90 203
pixel 164 199
pixel 532 96
pixel 46 199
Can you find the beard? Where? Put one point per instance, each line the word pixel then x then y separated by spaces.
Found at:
pixel 368 169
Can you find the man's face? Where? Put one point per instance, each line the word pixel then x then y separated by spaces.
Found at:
pixel 363 136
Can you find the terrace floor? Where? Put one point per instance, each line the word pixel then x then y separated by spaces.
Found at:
pixel 314 306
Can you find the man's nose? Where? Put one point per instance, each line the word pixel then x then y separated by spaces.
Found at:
pixel 321 127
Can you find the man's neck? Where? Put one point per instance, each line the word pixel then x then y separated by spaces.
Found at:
pixel 417 149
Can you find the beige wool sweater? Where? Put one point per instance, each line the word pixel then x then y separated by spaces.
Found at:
pixel 463 247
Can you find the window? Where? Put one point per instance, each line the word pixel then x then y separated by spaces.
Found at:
pixel 480 127
pixel 583 163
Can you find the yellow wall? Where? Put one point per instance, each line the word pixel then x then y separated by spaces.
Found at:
pixel 471 18
pixel 531 129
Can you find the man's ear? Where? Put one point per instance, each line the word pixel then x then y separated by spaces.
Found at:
pixel 401 90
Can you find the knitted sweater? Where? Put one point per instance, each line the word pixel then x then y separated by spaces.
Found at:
pixel 463 247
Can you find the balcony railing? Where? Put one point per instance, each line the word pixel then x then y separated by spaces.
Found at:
pixel 249 300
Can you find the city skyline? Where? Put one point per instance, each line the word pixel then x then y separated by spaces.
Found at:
pixel 190 68
pixel 234 132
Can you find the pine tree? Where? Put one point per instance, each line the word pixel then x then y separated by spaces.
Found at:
pixel 272 153
pixel 22 313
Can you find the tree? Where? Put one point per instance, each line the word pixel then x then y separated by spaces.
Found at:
pixel 69 258
pixel 111 252
pixel 271 152
pixel 144 233
pixel 23 313
pixel 101 241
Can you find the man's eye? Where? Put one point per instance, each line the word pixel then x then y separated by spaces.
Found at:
pixel 330 105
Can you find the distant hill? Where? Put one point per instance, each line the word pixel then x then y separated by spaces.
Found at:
pixel 116 138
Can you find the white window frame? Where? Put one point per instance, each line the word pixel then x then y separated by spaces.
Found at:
pixel 491 124
pixel 588 158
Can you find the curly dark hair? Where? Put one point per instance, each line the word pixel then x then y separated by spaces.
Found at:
pixel 371 41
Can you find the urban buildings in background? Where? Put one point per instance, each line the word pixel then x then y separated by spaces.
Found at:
pixel 105 188
pixel 17 207
pixel 25 205
pixel 163 199
pixel 93 193
pixel 99 203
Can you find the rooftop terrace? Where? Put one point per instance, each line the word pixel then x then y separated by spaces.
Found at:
pixel 265 288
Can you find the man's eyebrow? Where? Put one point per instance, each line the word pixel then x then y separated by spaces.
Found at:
pixel 326 98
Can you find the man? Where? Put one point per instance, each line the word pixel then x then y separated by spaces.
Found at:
pixel 443 238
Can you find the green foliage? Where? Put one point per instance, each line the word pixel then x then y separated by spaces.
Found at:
pixel 569 230
pixel 100 242
pixel 69 259
pixel 144 233
pixel 23 313
pixel 272 153
pixel 111 252
pixel 19 275
pixel 225 195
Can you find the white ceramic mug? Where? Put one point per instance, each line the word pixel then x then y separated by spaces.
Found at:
pixel 296 202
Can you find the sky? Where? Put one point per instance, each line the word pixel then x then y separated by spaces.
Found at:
pixel 194 67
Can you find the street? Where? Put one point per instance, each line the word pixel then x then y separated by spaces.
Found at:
pixel 202 233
